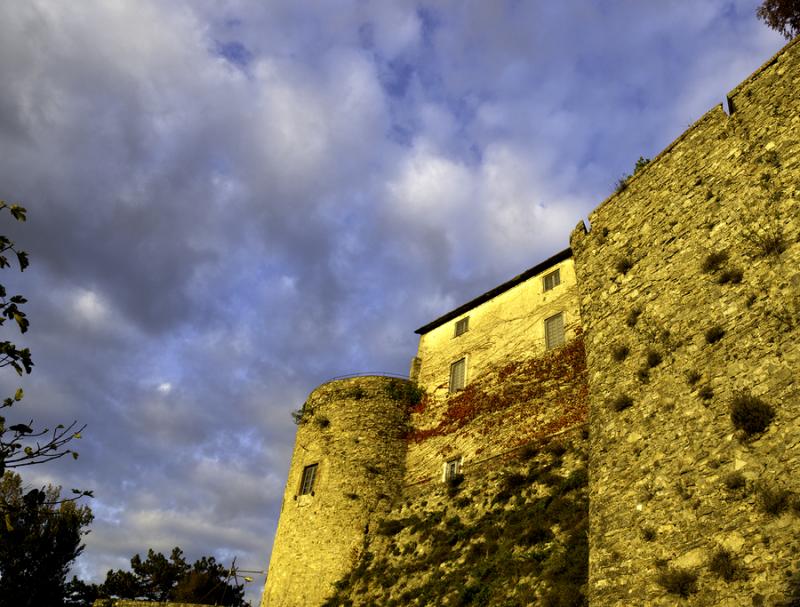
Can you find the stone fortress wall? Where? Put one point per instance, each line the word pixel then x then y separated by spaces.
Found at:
pixel 688 287
pixel 694 270
pixel 353 430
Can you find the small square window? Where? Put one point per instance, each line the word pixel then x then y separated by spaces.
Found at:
pixel 452 468
pixel 307 482
pixel 458 375
pixel 552 280
pixel 554 331
pixel 462 326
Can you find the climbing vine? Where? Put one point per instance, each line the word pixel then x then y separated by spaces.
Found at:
pixel 558 377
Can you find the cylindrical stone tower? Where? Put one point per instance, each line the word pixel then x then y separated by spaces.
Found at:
pixel 348 461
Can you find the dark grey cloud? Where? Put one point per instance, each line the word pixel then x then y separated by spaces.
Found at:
pixel 230 203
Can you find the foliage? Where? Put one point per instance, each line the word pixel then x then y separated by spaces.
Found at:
pixel 751 414
pixel 772 500
pixel 681 582
pixel 158 578
pixel 781 15
pixel 706 393
pixel 530 546
pixel 654 358
pixel 764 236
pixel 454 484
pixel 622 402
pixel 714 334
pixel 622 182
pixel 21 444
pixel 633 316
pixel 40 536
pixel 623 265
pixel 730 276
pixel 516 383
pixel 734 481
pixel 299 416
pixel 80 594
pixel 620 352
pixel 405 391
pixel 714 261
pixel 723 564
pixel 793 595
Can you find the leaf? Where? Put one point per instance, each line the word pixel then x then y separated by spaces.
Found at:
pixel 19 394
pixel 21 321
pixel 74 454
pixel 18 212
pixel 28 451
pixel 18 299
pixel 21 428
pixel 77 435
pixel 22 258
pixel 17 368
pixel 9 526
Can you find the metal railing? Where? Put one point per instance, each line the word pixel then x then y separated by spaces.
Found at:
pixel 367 374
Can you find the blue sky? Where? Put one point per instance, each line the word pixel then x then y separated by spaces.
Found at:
pixel 232 202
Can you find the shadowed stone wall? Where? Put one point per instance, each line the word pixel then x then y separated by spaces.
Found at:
pixel 690 301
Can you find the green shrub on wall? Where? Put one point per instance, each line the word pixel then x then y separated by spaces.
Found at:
pixel 750 414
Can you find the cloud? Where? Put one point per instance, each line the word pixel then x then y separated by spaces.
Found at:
pixel 232 202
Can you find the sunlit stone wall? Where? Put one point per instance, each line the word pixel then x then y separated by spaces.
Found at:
pixel 354 430
pixel 515 391
pixel 693 269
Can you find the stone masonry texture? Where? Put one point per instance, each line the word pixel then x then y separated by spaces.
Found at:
pixel 694 270
pixel 354 430
pixel 515 390
pixel 678 379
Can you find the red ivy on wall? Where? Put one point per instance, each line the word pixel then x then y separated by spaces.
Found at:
pixel 559 377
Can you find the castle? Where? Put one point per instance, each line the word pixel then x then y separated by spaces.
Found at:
pixel 668 333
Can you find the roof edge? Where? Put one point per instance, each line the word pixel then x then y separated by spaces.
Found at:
pixel 473 303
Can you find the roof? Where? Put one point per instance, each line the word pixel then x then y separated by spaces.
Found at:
pixel 537 269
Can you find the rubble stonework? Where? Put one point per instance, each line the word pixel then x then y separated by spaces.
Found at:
pixel 681 362
pixel 710 230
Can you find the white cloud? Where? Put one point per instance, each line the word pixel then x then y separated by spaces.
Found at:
pixel 89 307
pixel 430 188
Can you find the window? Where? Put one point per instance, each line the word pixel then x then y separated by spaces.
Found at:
pixel 458 375
pixel 552 280
pixel 452 468
pixel 307 483
pixel 554 331
pixel 462 326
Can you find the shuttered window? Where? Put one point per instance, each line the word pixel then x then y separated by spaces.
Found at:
pixel 462 326
pixel 458 375
pixel 452 468
pixel 554 331
pixel 552 280
pixel 307 482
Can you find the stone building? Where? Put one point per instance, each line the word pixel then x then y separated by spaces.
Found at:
pixel 364 442
pixel 671 328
